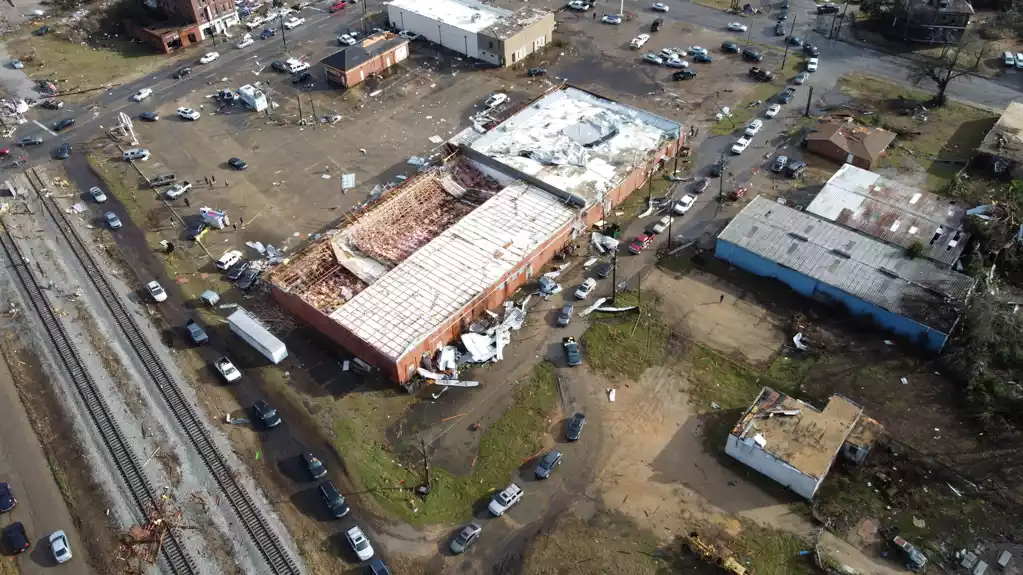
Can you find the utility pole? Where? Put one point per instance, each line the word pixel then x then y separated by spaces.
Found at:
pixel 650 188
pixel 792 32
pixel 721 185
pixel 614 275
pixel 749 37
pixel 809 98
pixel 284 36
pixel 831 34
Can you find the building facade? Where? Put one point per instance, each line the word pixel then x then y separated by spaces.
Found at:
pixel 373 55
pixel 929 21
pixel 480 31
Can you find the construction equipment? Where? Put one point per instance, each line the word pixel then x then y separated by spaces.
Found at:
pixel 710 554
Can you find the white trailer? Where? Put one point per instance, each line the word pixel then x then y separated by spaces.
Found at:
pixel 253 332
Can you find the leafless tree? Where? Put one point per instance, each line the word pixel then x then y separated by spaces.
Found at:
pixel 953 61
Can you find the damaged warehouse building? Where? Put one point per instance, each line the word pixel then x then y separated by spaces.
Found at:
pixel 410 272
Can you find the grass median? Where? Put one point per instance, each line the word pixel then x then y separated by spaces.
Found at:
pixel 626 343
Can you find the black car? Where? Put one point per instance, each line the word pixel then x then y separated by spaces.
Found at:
pixel 811 50
pixel 546 465
pixel 279 66
pixel 149 116
pixel 751 54
pixel 7 500
pixel 730 47
pixel 534 72
pixel 301 77
pixel 248 279
pixel 63 152
pixel 266 414
pixel 237 270
pixel 575 427
pixel 761 74
pixel 779 29
pixel 237 163
pixel 684 74
pixel 719 167
pixel 195 232
pixel 313 465
pixel 794 41
pixel 334 500
pixel 267 32
pixel 827 9
pixel 786 95
pixel 602 271
pixel 16 538
pixel 657 24
pixel 182 73
pixel 63 124
pixel 794 169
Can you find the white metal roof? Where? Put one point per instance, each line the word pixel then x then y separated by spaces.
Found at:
pixel 410 302
pixel 577 142
pixel 467 15
pixel 857 264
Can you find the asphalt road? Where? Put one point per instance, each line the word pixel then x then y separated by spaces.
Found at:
pixel 41 507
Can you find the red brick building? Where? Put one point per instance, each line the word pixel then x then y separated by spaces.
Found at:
pixel 185 22
pixel 373 55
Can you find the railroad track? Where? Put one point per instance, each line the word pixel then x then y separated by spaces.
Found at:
pixel 277 558
pixel 141 491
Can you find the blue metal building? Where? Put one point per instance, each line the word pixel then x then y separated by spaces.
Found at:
pixel 917 298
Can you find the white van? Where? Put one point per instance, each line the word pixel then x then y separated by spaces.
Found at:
pixel 1009 59
pixel 227 260
pixel 136 154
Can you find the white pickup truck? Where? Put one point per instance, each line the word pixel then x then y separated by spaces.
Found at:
pixel 178 190
pixel 504 499
pixel 227 369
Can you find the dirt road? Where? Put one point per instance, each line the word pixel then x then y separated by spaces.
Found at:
pixel 40 506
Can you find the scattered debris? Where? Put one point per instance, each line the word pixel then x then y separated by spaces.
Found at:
pixel 798 341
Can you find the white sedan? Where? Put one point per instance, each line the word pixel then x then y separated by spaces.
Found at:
pixel 346 40
pixel 639 41
pixel 294 23
pixel 156 291
pixel 246 42
pixel 737 27
pixel 611 19
pixel 772 110
pixel 579 5
pixel 142 94
pixel 684 205
pixel 495 100
pixel 209 57
pixel 660 7
pixel 811 64
pixel 188 113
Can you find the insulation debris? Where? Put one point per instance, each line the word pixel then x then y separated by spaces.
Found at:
pixel 604 243
pixel 593 307
pixel 616 309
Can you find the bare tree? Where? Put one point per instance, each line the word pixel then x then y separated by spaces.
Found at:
pixel 954 61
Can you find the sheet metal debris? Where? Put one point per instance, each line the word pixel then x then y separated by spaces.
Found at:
pixel 593 307
pixel 347 181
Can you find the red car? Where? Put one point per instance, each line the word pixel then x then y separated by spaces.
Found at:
pixel 339 5
pixel 639 244
pixel 4 151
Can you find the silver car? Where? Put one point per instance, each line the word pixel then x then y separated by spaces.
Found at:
pixel 653 58
pixel 466 537
pixel 112 220
pixel 801 77
pixel 565 316
pixel 98 195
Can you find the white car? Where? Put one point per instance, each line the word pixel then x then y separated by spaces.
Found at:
pixel 638 41
pixel 662 224
pixel 295 65
pixel 409 35
pixel 676 63
pixel 156 291
pixel 611 19
pixel 359 543
pixel 668 53
pixel 142 94
pixel 660 7
pixel 245 43
pixel 753 127
pixel 684 205
pixel 811 65
pixel 228 259
pixel 772 110
pixel 495 100
pixel 737 27
pixel 60 547
pixel 585 288
pixel 801 78
pixel 505 499
pixel 97 195
pixel 188 113
pixel 209 57
pixel 653 58
pixel 740 146
pixel 294 23
pixel 346 40
pixel 579 5
pixel 694 50
pixel 227 370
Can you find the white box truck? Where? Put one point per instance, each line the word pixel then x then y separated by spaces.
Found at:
pixel 253 332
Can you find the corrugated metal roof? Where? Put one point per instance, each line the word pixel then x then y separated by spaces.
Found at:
pixel 871 270
pixel 409 303
pixel 893 212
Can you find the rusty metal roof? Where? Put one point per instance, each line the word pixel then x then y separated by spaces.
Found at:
pixel 893 212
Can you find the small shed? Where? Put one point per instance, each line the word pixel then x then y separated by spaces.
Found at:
pixel 373 55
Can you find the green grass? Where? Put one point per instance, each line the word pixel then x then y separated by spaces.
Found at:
pixel 772 552
pixel 729 384
pixel 626 343
pixel 791 369
pixel 516 435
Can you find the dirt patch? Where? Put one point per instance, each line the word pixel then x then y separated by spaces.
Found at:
pixel 85 499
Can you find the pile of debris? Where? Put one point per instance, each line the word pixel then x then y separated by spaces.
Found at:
pixel 142 544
